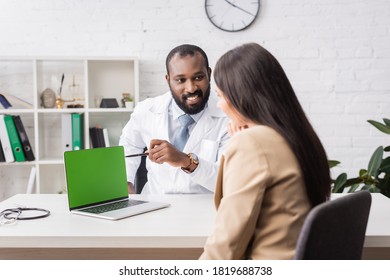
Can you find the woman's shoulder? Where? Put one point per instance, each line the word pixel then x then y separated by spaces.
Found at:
pixel 259 134
pixel 260 139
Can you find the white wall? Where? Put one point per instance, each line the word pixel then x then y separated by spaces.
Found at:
pixel 335 52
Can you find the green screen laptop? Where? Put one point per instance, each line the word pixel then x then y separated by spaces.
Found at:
pixel 97 184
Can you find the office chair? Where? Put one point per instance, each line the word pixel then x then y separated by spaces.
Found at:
pixel 335 230
pixel 141 177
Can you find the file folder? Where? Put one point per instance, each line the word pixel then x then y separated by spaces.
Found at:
pixel 66 137
pixel 4 102
pixel 31 180
pixel 5 142
pixel 97 137
pixel 77 131
pixel 106 139
pixel 16 145
pixel 94 137
pixel 2 157
pixel 27 149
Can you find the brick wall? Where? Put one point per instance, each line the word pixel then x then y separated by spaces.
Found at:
pixel 335 52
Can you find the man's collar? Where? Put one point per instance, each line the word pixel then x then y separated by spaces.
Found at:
pixel 177 112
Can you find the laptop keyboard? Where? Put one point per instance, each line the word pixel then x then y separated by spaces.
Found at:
pixel 112 206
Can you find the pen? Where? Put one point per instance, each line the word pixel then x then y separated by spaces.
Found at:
pixel 62 82
pixel 138 155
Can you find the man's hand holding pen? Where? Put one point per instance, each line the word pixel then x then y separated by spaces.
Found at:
pixel 161 151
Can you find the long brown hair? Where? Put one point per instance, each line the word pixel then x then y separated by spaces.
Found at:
pixel 256 85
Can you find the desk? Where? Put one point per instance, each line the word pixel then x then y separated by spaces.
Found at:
pixel 177 232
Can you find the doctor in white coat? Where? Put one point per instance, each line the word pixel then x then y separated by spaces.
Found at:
pixel 155 124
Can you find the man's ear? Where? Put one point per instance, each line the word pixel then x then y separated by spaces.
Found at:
pixel 167 78
pixel 209 72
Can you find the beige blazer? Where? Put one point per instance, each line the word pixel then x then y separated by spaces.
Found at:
pixel 260 199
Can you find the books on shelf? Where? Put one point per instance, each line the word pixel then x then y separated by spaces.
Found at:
pixel 99 137
pixel 15 143
pixel 72 127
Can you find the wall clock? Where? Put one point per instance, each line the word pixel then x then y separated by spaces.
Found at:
pixel 232 15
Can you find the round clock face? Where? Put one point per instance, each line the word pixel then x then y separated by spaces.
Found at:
pixel 232 15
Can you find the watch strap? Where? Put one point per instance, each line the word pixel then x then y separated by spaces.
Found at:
pixel 193 160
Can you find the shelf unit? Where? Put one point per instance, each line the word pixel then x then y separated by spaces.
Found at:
pixel 25 78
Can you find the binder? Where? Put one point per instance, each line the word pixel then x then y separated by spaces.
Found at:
pixel 66 135
pixel 2 157
pixel 31 180
pixel 27 149
pixel 97 137
pixel 77 131
pixel 16 145
pixel 106 139
pixel 4 102
pixel 5 142
pixel 100 137
pixel 94 137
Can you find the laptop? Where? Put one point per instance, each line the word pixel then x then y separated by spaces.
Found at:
pixel 97 185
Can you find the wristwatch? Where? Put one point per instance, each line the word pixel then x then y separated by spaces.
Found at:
pixel 193 161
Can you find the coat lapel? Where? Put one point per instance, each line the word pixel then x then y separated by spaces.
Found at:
pixel 205 124
pixel 202 127
pixel 160 112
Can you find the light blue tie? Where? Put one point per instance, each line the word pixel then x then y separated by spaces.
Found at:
pixel 183 134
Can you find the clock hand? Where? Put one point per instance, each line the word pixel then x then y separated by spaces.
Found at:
pixel 235 6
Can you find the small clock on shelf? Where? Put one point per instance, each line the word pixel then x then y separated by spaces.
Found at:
pixel 232 15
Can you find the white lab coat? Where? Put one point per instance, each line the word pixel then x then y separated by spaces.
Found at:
pixel 207 140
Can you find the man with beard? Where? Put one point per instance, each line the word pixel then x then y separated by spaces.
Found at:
pixel 175 164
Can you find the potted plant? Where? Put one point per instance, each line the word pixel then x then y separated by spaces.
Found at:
pixel 376 178
pixel 127 101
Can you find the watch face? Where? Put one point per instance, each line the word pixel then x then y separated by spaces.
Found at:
pixel 232 15
pixel 195 158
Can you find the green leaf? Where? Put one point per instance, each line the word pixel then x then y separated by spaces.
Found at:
pixel 339 183
pixel 380 126
pixel 385 166
pixel 375 162
pixel 353 181
pixel 385 169
pixel 374 189
pixel 362 172
pixel 387 121
pixel 353 188
pixel 384 184
pixel 333 163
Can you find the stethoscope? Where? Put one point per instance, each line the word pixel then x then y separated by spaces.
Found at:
pixel 11 215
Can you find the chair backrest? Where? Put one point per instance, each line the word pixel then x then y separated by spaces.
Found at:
pixel 335 230
pixel 141 177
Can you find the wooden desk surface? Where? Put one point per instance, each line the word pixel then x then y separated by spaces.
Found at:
pixel 177 232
